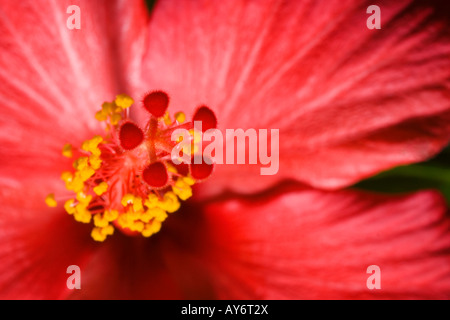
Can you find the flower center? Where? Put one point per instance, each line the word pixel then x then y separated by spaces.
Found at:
pixel 126 179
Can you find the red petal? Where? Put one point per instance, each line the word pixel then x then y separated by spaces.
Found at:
pixel 53 79
pixel 343 157
pixel 38 244
pixel 307 244
pixel 314 71
pixel 128 268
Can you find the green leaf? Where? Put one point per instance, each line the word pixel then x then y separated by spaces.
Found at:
pixel 433 174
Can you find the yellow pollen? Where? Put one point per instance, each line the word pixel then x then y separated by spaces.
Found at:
pixel 127 199
pixel 67 176
pixel 101 116
pixel 101 188
pixel 180 117
pixel 182 189
pixel 100 234
pixel 112 111
pixel 81 163
pixel 151 228
pixel 95 162
pixel 83 198
pixel 100 221
pixel 136 226
pixel 152 201
pixel 108 107
pixel 75 183
pixel 157 213
pixel 67 150
pixel 170 202
pixel 115 118
pixel 86 173
pixel 124 101
pixel 50 200
pixel 111 215
pixel 137 205
pixel 171 168
pixel 188 180
pixel 81 213
pixel 167 119
pixel 69 206
pixel 92 145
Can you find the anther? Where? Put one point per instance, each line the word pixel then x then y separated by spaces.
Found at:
pixel 50 200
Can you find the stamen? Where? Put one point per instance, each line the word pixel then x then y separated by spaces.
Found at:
pixel 67 150
pixel 101 188
pixel 182 189
pixel 126 179
pixel 123 101
pixel 180 117
pixel 50 200
pixel 69 206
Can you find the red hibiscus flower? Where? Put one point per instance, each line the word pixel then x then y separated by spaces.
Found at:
pixel 349 102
